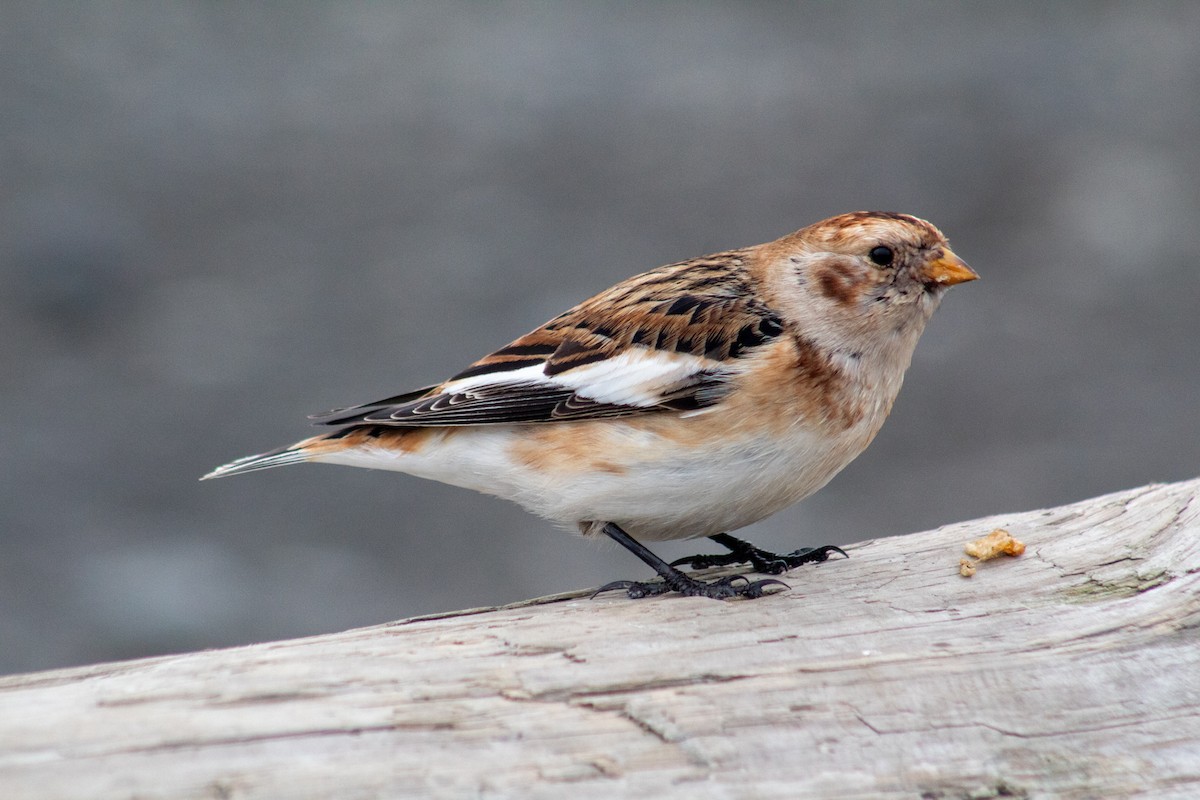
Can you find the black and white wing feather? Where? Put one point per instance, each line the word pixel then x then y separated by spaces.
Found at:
pixel 667 340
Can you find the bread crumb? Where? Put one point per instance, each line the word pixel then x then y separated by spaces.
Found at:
pixel 997 543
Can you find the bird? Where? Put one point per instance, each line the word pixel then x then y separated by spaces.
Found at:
pixel 687 401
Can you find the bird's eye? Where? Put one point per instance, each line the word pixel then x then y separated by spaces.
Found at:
pixel 881 255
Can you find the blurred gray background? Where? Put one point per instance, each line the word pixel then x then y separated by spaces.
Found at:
pixel 218 218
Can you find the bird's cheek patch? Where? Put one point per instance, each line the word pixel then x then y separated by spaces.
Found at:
pixel 837 282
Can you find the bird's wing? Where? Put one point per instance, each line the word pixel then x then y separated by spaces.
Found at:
pixel 669 339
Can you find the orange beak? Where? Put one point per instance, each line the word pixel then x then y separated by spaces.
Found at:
pixel 948 269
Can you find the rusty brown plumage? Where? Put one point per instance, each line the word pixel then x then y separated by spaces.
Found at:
pixel 695 319
pixel 706 307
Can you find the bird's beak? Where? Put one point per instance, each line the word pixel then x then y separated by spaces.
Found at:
pixel 948 269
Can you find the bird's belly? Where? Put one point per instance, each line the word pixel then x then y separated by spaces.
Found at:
pixel 688 494
pixel 656 481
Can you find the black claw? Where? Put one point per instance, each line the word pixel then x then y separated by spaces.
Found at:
pixel 756 588
pixel 634 589
pixel 813 555
pixel 762 560
pixel 722 589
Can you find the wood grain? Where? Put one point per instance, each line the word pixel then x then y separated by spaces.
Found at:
pixel 1072 671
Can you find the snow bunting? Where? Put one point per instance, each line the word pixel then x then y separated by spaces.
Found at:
pixel 688 401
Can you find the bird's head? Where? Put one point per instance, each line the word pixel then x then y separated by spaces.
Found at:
pixel 868 275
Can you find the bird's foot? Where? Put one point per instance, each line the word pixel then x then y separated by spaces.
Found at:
pixel 763 561
pixel 721 589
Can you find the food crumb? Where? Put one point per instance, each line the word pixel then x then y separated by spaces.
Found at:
pixel 997 543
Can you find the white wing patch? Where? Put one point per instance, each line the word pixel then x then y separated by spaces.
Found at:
pixel 524 375
pixel 636 377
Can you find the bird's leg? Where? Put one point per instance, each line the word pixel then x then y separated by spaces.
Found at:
pixel 676 581
pixel 741 552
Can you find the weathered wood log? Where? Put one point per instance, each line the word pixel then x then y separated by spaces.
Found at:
pixel 1071 671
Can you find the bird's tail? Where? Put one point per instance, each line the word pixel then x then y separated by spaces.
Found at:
pixel 292 454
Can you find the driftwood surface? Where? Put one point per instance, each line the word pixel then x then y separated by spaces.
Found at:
pixel 1071 671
